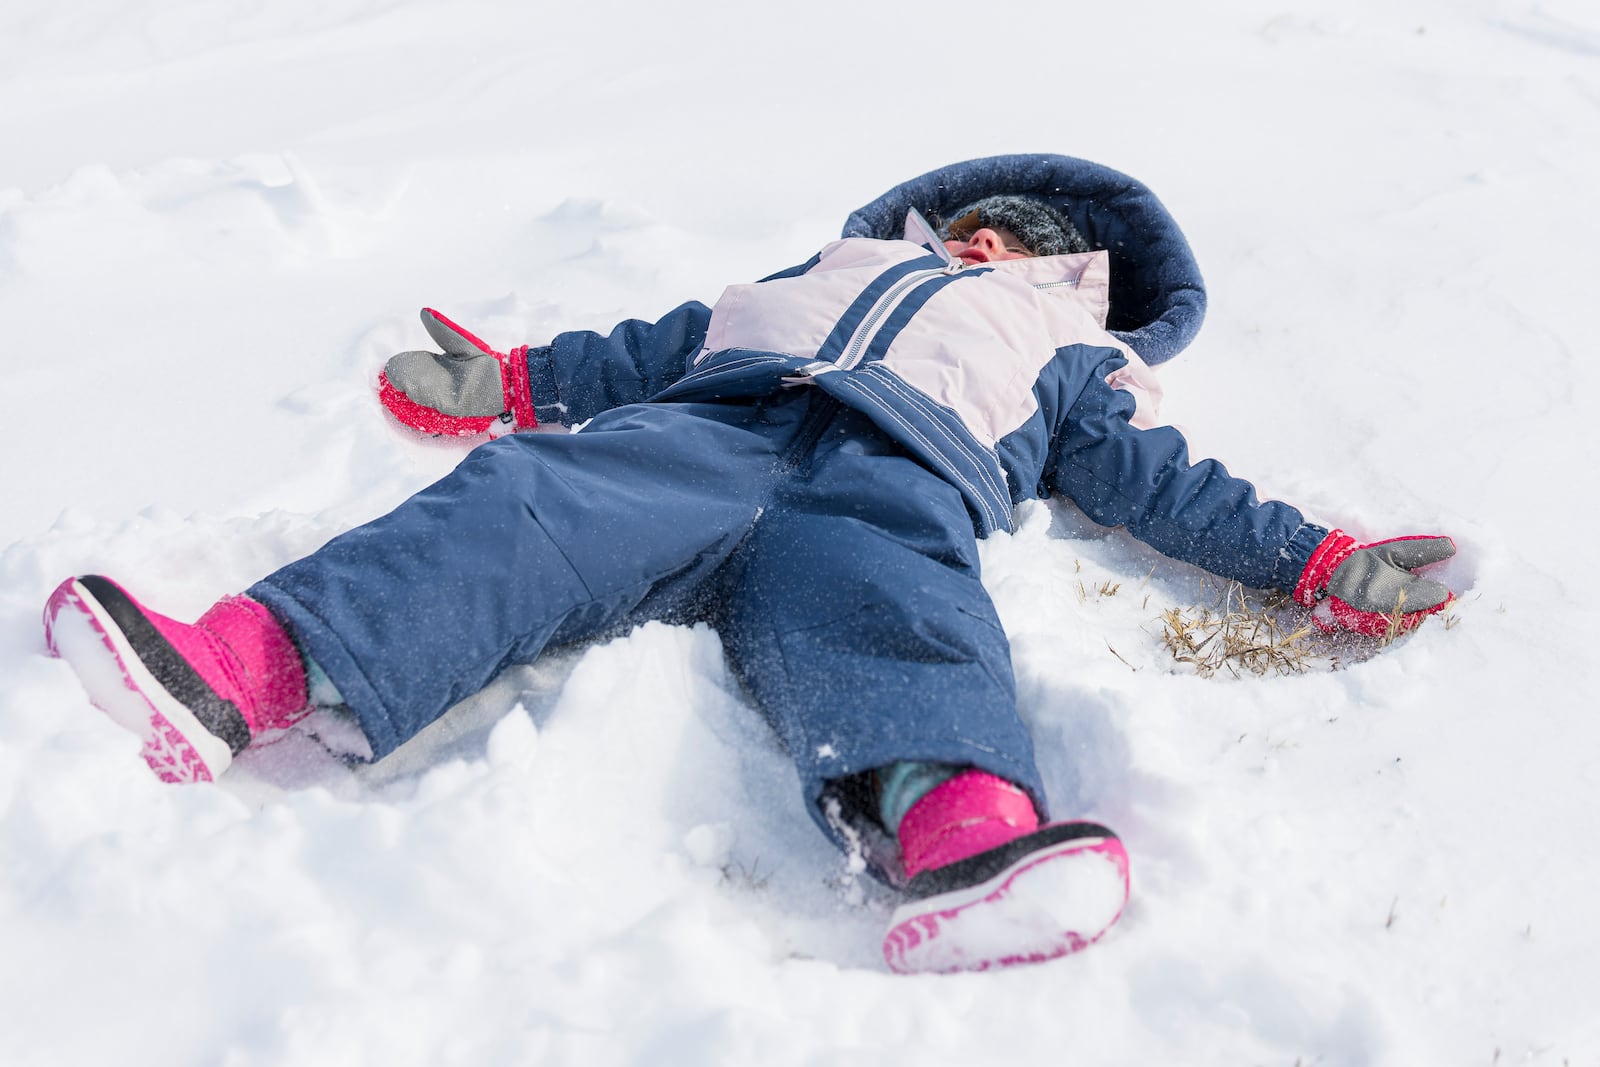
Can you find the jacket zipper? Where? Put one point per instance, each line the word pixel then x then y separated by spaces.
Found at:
pixel 881 307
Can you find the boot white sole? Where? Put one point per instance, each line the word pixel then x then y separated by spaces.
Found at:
pixel 176 746
pixel 1048 904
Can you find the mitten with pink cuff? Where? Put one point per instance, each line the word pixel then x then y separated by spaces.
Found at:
pixel 467 389
pixel 1371 588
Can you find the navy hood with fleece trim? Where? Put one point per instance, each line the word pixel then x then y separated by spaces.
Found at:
pixel 1158 298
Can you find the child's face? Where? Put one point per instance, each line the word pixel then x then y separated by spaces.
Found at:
pixel 989 245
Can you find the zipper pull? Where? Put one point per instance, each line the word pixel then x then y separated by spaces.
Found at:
pixel 804 375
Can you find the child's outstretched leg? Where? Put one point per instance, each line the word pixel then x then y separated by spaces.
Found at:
pixel 858 621
pixel 533 538
pixel 196 693
pixel 988 886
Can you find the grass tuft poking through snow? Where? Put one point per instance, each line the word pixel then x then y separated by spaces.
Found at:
pixel 1239 632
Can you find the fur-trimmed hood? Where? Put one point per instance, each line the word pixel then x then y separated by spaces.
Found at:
pixel 1158 298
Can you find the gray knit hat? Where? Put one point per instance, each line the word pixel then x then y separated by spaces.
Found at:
pixel 1043 229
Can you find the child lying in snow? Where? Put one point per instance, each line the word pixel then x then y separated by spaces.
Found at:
pixel 808 465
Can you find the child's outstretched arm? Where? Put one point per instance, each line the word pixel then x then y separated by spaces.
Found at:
pixel 469 388
pixel 1201 514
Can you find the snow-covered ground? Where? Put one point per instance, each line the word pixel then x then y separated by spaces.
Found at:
pixel 218 218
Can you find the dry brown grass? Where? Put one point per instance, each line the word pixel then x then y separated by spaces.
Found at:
pixel 1244 633
pixel 1237 634
pixel 1396 617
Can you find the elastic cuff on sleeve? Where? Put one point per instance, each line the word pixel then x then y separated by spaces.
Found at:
pixel 1294 556
pixel 547 405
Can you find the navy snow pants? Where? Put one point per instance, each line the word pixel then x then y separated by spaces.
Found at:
pixel 841 575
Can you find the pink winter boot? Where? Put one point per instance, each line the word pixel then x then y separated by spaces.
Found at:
pixel 990 887
pixel 196 693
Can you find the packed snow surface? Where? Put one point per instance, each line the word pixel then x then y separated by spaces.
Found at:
pixel 217 220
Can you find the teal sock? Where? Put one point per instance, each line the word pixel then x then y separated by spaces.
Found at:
pixel 319 687
pixel 904 782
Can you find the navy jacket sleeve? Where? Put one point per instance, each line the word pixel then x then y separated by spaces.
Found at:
pixel 581 373
pixel 1195 512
